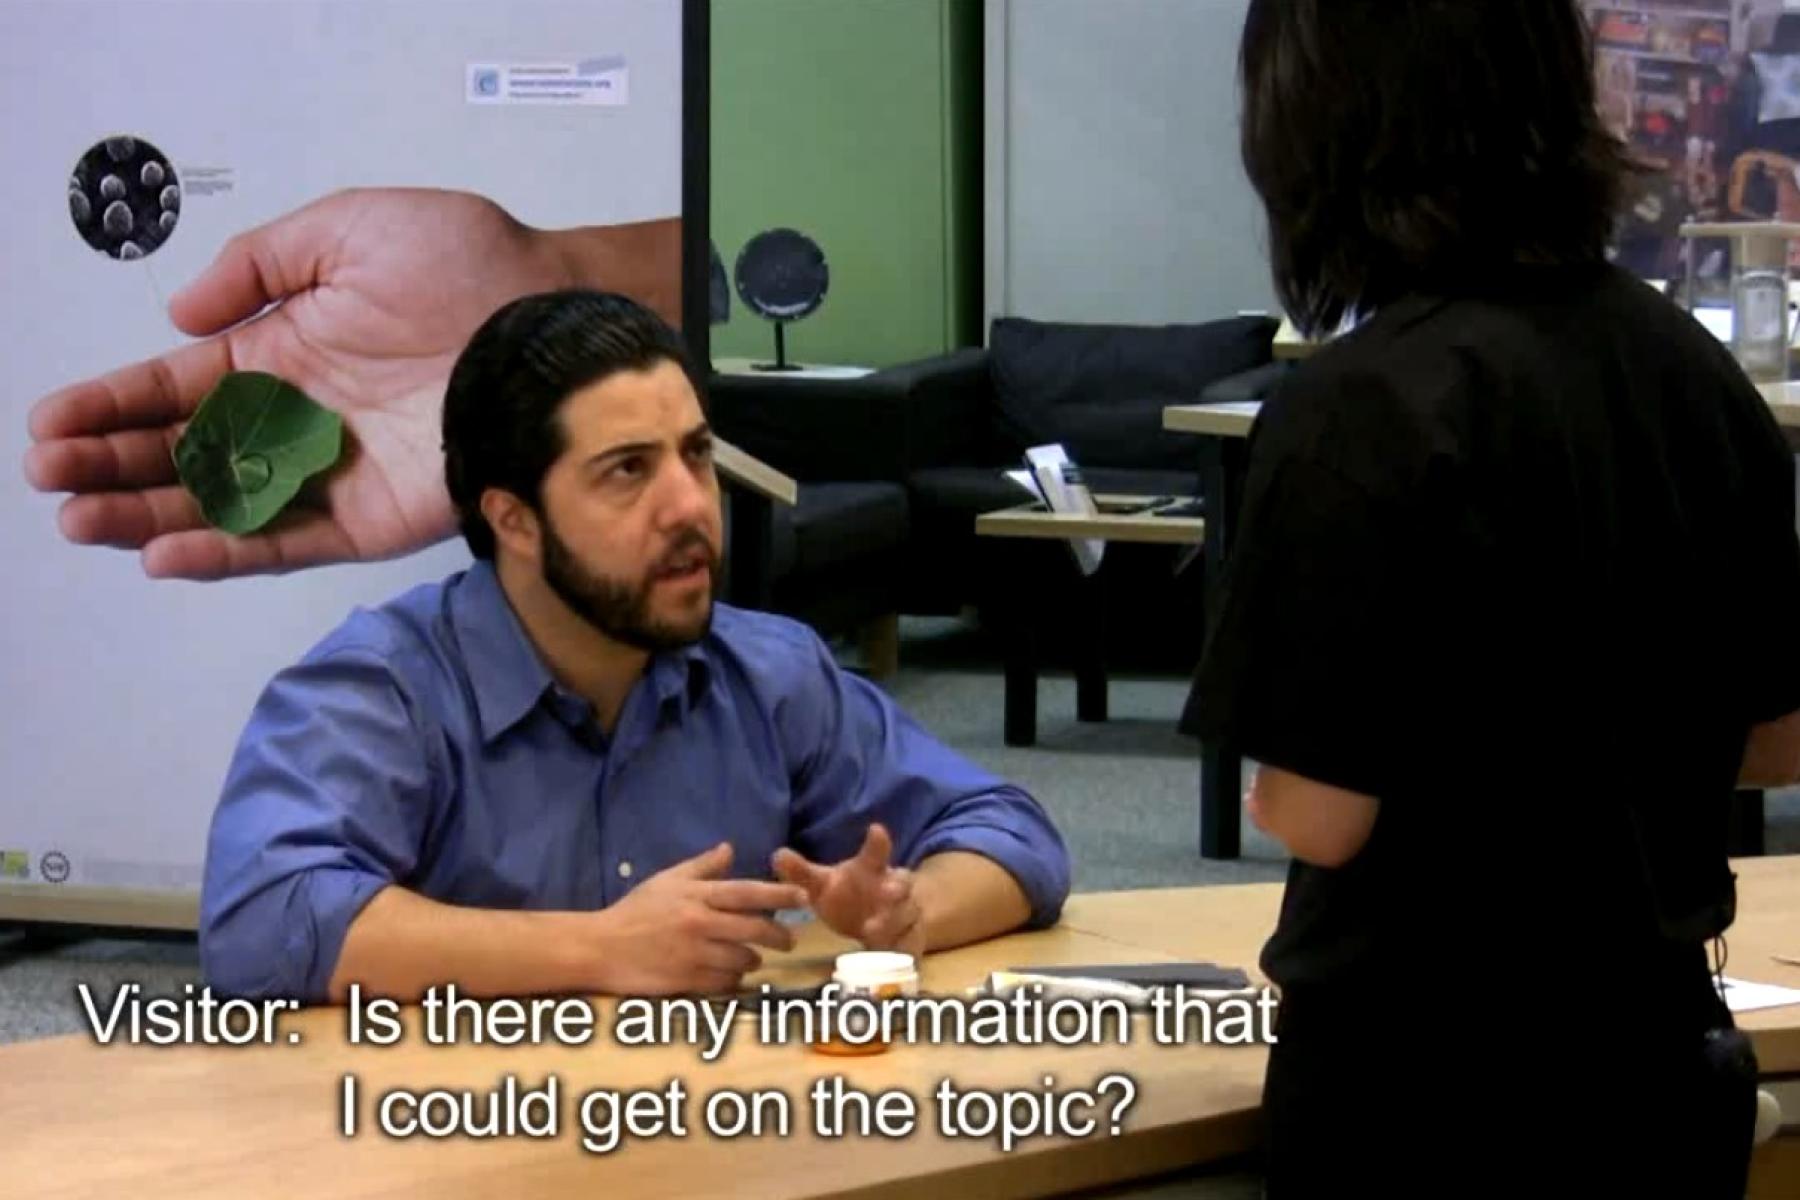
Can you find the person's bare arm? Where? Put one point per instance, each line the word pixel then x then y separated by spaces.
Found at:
pixel 953 898
pixel 965 898
pixel 685 929
pixel 402 944
pixel 1319 824
pixel 1772 754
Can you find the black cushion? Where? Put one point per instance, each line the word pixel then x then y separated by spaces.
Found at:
pixel 963 493
pixel 813 429
pixel 1100 390
pixel 838 523
pixel 1141 481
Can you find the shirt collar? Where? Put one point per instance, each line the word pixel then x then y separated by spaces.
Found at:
pixel 505 672
pixel 508 676
pixel 681 676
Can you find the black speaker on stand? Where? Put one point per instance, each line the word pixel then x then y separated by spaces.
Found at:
pixel 782 277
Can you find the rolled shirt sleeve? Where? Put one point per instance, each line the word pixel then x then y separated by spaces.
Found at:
pixel 325 803
pixel 859 759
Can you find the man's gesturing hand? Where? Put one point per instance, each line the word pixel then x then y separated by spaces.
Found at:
pixel 688 929
pixel 862 897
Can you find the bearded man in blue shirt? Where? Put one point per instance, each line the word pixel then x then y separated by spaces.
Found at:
pixel 567 769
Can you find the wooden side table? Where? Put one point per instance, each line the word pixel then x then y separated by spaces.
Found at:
pixel 1137 523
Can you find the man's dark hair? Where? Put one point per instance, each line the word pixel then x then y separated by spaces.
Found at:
pixel 502 426
pixel 1408 145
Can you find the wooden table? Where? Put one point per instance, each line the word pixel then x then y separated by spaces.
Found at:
pixel 1290 344
pixel 750 555
pixel 753 474
pixel 1139 525
pixel 79 1120
pixel 1224 432
pixel 1023 633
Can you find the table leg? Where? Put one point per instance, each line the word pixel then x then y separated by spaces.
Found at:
pixel 880 638
pixel 1090 666
pixel 1021 651
pixel 1222 464
pixel 1013 597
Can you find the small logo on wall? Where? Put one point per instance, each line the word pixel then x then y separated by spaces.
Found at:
pixel 603 81
pixel 54 866
pixel 15 864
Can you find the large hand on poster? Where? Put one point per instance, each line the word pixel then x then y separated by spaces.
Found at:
pixel 374 294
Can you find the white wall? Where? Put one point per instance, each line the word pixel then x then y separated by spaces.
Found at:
pixel 121 698
pixel 1114 188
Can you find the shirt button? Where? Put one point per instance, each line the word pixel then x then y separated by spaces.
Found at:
pixel 624 870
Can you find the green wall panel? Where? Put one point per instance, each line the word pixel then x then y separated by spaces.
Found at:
pixel 856 122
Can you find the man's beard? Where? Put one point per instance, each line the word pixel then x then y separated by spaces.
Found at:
pixel 618 609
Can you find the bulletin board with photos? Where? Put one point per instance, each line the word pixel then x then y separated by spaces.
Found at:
pixel 1707 94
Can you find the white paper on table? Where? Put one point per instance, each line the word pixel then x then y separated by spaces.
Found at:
pixel 1028 481
pixel 1051 465
pixel 1741 995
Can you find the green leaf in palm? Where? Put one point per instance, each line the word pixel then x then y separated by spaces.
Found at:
pixel 254 442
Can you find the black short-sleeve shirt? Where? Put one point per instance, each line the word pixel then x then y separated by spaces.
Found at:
pixel 1522 565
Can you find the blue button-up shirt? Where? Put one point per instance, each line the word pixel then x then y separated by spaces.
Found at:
pixel 425 744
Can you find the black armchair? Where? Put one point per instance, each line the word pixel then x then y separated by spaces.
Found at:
pixel 1100 390
pixel 833 558
pixel 895 466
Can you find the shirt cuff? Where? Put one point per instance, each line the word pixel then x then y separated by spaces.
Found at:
pixel 333 899
pixel 1041 872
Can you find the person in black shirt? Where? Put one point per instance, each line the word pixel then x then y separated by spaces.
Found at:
pixel 1513 609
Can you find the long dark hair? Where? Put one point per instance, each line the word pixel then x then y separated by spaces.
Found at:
pixel 1401 145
